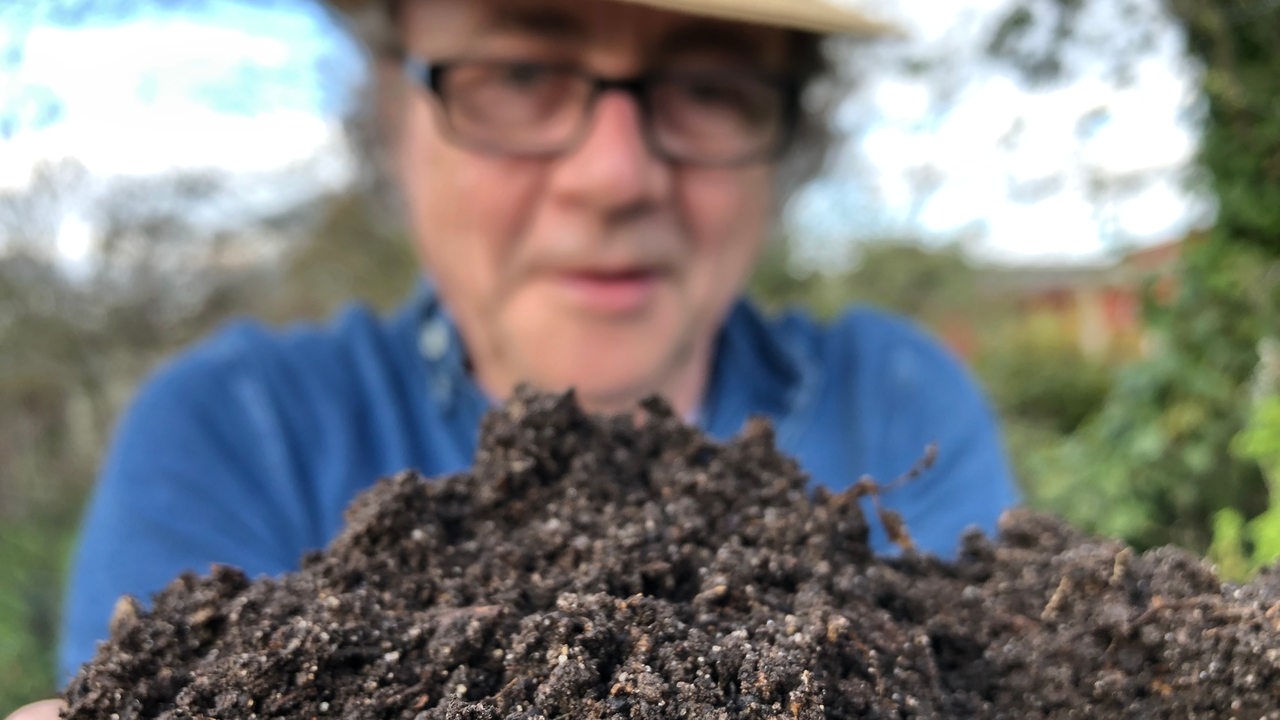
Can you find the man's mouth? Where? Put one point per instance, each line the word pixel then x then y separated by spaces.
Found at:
pixel 610 292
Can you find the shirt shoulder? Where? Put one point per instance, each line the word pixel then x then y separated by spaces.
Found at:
pixel 864 330
pixel 336 402
pixel 888 352
pixel 305 350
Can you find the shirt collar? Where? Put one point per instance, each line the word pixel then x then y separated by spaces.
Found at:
pixel 439 344
pixel 754 373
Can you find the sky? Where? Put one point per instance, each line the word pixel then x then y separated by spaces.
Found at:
pixel 963 150
pixel 1073 170
pixel 161 87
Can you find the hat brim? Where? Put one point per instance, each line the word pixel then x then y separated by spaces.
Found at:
pixel 817 16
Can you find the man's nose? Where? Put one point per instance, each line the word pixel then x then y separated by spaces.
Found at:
pixel 613 169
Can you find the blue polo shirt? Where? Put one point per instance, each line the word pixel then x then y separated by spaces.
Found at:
pixel 246 449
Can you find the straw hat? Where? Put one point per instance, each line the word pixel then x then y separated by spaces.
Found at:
pixel 820 16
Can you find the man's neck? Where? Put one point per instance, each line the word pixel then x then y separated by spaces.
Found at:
pixel 683 387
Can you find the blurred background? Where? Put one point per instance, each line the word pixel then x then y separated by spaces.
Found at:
pixel 1081 197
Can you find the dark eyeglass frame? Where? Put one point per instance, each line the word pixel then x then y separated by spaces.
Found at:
pixel 429 75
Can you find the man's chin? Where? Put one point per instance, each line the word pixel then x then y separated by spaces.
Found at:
pixel 609 393
pixel 610 369
pixel 608 399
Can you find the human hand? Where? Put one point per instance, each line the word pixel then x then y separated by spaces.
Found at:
pixel 43 710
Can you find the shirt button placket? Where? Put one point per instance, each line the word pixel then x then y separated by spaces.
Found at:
pixel 434 341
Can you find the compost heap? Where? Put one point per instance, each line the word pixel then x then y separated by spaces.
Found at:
pixel 590 568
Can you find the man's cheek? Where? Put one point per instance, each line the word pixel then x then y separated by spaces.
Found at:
pixel 716 205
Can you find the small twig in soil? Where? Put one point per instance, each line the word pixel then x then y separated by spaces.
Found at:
pixel 894 526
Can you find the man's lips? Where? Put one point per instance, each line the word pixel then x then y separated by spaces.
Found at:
pixel 609 292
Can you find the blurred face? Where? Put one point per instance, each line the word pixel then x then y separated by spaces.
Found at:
pixel 604 266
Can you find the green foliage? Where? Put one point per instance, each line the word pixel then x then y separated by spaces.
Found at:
pixel 1154 465
pixel 31 558
pixel 1240 48
pixel 1046 384
pixel 1260 442
pixel 901 276
pixel 1240 547
pixel 350 255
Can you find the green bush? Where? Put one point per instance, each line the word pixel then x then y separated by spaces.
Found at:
pixel 32 558
pixel 1242 547
pixel 1052 386
pixel 1154 465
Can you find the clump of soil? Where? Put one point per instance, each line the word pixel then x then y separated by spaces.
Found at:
pixel 590 568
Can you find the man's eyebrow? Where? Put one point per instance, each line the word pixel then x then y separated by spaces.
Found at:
pixel 540 22
pixel 712 37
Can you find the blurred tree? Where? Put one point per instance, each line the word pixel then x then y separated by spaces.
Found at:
pixel 43 474
pixel 352 253
pixel 30 217
pixel 777 281
pixel 894 274
pixel 74 341
pixel 1051 386
pixel 1241 548
pixel 912 279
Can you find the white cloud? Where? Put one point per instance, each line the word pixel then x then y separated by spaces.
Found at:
pixel 233 93
pixel 1060 228
pixel 143 141
pixel 1160 212
pixel 966 148
pixel 235 87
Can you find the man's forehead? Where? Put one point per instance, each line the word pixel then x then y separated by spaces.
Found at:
pixel 605 21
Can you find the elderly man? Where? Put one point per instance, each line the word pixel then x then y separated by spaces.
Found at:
pixel 589 183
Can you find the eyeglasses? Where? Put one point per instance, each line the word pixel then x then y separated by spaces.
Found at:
pixel 531 109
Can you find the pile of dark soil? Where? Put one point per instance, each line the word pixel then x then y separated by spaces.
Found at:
pixel 595 568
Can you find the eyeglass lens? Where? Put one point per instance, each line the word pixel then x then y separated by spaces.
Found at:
pixel 534 109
